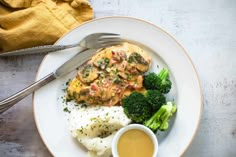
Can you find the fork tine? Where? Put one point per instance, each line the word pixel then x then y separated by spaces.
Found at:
pixel 108 34
pixel 102 40
pixel 97 39
pixel 110 43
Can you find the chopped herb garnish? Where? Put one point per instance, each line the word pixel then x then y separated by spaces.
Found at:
pixel 128 76
pixel 103 62
pixel 64 90
pixel 76 95
pixel 92 119
pixel 131 60
pixel 66 110
pixel 67 83
pixel 107 60
pixel 102 92
pixel 117 80
pixel 84 105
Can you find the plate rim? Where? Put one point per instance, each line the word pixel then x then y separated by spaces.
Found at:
pixel 147 22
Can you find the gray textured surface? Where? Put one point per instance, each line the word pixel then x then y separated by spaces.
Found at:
pixel 205 28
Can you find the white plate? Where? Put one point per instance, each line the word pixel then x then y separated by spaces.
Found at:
pixel 165 52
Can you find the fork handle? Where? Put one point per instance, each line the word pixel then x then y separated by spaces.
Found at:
pixel 10 101
pixel 37 50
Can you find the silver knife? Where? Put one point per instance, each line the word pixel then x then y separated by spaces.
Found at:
pixel 38 49
pixel 76 61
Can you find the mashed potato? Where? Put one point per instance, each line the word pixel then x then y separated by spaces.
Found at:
pixel 95 126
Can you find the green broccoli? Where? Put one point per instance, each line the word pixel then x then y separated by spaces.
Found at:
pixel 159 121
pixel 136 107
pixel 165 82
pixel 159 81
pixel 151 81
pixel 155 98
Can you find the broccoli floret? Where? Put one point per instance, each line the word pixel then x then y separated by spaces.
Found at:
pixel 159 121
pixel 159 81
pixel 155 98
pixel 136 107
pixel 151 81
pixel 165 82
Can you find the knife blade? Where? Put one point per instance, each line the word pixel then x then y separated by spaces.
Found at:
pixel 37 50
pixel 79 59
pixel 74 62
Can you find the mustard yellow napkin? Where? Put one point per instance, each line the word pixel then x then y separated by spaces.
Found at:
pixel 28 23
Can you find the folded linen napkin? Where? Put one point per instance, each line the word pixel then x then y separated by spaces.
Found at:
pixel 28 23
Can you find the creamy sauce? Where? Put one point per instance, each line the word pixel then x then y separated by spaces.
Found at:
pixel 110 75
pixel 135 143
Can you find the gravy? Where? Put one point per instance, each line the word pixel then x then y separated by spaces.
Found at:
pixel 135 143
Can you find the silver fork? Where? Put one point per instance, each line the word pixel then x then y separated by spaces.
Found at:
pixel 92 41
pixel 102 39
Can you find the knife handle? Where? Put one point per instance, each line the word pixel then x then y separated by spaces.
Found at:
pixel 10 101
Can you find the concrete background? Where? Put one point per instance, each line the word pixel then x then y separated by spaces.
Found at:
pixel 205 28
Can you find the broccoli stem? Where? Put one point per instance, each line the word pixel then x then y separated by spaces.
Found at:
pixel 160 119
pixel 155 120
pixel 163 74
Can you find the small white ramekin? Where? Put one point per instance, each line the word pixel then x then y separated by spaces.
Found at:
pixel 130 127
